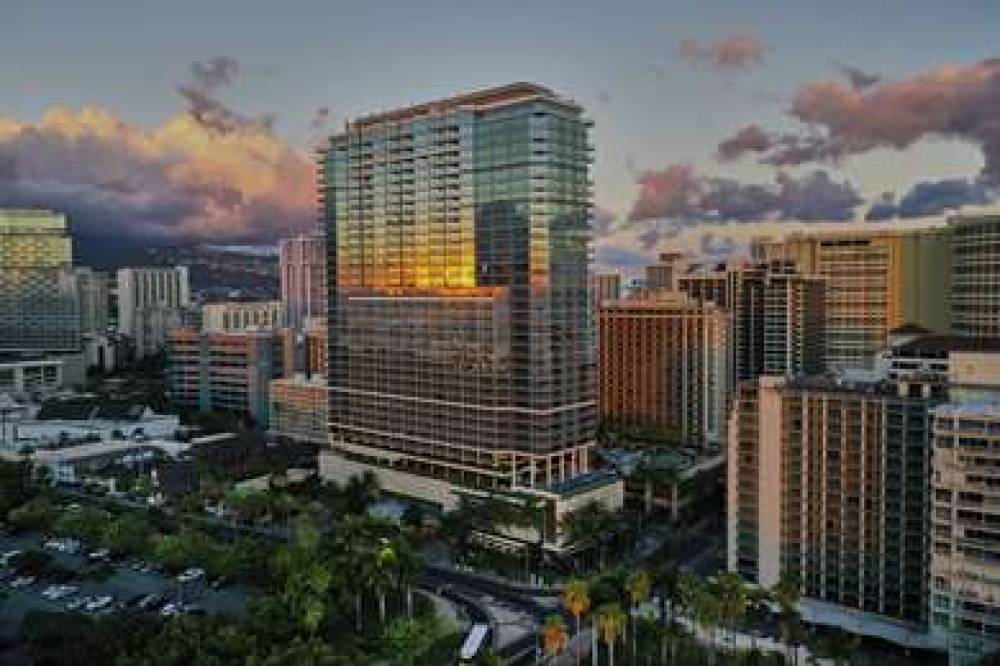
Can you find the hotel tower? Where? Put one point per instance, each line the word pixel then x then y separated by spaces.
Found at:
pixel 460 339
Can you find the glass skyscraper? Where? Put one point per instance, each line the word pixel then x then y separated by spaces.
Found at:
pixel 460 337
pixel 39 307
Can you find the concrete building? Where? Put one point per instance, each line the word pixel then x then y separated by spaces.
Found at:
pixel 965 530
pixel 94 290
pixel 663 273
pixel 39 304
pixel 604 287
pixel 225 371
pixel 461 346
pixel 778 321
pixel 876 280
pixel 75 420
pixel 38 376
pixel 300 408
pixel 151 304
pixel 828 481
pixel 704 282
pixel 975 272
pixel 241 316
pixel 664 360
pixel 303 279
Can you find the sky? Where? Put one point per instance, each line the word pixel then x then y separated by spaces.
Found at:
pixel 193 120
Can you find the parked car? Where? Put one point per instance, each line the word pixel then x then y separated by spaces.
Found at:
pixel 78 603
pixel 99 554
pixel 22 581
pixel 98 603
pixel 150 602
pixel 191 575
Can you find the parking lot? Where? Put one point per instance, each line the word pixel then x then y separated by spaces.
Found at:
pixel 129 581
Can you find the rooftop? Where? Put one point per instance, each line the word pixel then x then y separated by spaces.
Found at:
pixel 937 342
pixel 480 99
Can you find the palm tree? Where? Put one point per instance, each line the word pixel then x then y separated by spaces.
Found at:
pixel 576 599
pixel 733 599
pixel 554 636
pixel 610 621
pixel 382 575
pixel 638 585
pixel 787 593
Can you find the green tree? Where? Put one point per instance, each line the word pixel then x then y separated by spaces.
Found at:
pixel 610 621
pixel 576 600
pixel 638 585
pixel 303 578
pixel 36 514
pixel 126 534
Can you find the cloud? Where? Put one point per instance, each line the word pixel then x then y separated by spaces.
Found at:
pixel 858 78
pixel 208 78
pixel 679 194
pixel 934 198
pixel 217 72
pixel 735 52
pixel 951 102
pixel 748 139
pixel 183 180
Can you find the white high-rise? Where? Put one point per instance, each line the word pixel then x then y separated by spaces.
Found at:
pixel 303 279
pixel 150 305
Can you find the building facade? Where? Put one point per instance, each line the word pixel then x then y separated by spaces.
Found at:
pixel 459 331
pixel 975 273
pixel 300 409
pixel 664 360
pixel 778 322
pixel 39 306
pixel 605 287
pixel 829 482
pixel 224 371
pixel 94 291
pixel 303 279
pixel 965 530
pixel 241 316
pixel 876 280
pixel 151 304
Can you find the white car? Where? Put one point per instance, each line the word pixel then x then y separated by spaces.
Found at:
pixel 22 581
pixel 99 603
pixel 60 592
pixel 192 574
pixel 171 609
pixel 78 603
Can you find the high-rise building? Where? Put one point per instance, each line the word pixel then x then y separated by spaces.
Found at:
pixel 39 306
pixel 303 279
pixel 662 274
pixel 151 304
pixel 605 287
pixel 664 361
pixel 93 289
pixel 460 338
pixel 965 530
pixel 705 282
pixel 300 408
pixel 241 316
pixel 828 482
pixel 975 273
pixel 224 371
pixel 876 280
pixel 778 320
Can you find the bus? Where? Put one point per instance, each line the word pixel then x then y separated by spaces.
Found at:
pixel 475 644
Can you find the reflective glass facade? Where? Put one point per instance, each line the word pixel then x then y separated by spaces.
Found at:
pixel 39 309
pixel 459 239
